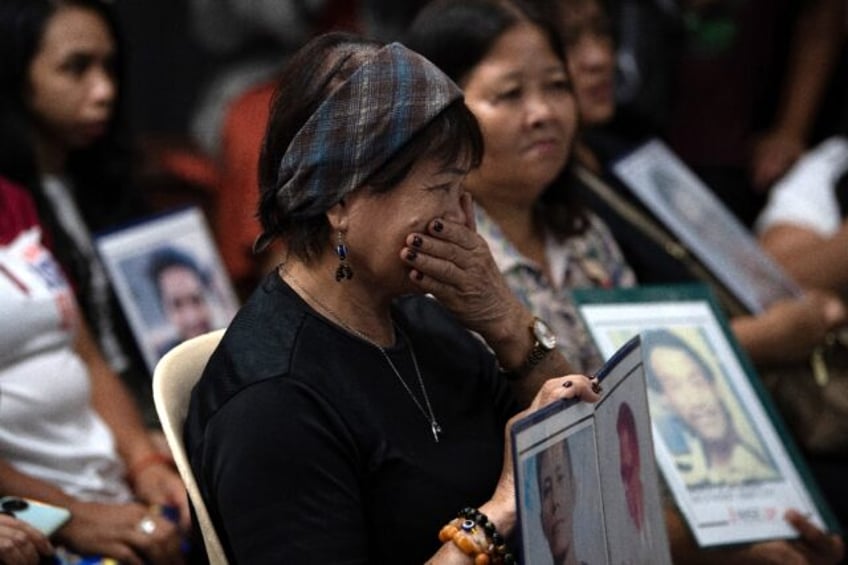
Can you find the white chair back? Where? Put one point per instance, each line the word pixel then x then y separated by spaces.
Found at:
pixel 173 379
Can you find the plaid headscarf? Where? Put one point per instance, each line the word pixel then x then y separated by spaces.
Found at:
pixel 359 127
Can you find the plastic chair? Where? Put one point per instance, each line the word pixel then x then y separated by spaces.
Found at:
pixel 174 376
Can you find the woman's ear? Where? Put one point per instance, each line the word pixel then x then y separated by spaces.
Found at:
pixel 337 216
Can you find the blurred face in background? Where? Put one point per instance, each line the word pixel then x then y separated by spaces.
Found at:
pixel 184 301
pixel 72 86
pixel 521 95
pixel 591 59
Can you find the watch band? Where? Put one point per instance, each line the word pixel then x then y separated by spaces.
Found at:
pixel 544 341
pixel 535 356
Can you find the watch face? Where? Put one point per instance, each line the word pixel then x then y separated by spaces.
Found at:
pixel 544 334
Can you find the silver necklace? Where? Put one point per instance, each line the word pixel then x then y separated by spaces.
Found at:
pixel 428 413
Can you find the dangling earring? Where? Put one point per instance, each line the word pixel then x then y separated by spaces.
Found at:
pixel 343 271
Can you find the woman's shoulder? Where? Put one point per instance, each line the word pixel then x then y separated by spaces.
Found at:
pixel 260 337
pixel 255 351
pixel 8 186
pixel 15 197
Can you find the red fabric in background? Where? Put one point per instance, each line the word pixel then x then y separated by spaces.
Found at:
pixel 236 223
pixel 17 211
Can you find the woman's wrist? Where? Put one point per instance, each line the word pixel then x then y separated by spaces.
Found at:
pixel 477 536
pixel 146 462
pixel 502 517
pixel 513 341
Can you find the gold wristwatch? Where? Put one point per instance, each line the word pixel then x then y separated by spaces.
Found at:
pixel 544 342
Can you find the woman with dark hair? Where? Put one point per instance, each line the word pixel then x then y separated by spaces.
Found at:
pixel 63 138
pixel 345 417
pixel 70 433
pixel 511 65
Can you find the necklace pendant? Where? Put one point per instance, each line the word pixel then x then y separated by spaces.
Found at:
pixel 437 429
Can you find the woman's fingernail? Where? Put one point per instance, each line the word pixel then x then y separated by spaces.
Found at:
pixel 567 384
pixel 417 241
pixel 419 275
pixel 411 255
pixel 438 226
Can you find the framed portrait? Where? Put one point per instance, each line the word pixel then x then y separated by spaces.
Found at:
pixel 687 208
pixel 720 444
pixel 169 279
pixel 586 481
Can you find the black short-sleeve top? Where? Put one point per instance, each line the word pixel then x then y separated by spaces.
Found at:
pixel 308 448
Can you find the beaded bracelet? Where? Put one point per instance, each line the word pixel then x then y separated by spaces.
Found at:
pixel 467 542
pixel 476 536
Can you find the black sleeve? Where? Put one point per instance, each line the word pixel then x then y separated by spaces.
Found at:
pixel 283 478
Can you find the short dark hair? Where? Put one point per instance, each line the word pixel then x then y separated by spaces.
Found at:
pixel 308 78
pixel 663 338
pixel 456 35
pixel 169 257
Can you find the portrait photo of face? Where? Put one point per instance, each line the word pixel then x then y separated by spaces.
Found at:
pixel 704 423
pixel 631 497
pixel 630 465
pixel 169 279
pixel 560 496
pixel 686 206
pixel 688 388
pixel 182 288
pixel 557 492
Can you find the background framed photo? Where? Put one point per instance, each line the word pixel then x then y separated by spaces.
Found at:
pixel 169 279
pixel 684 204
pixel 719 442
